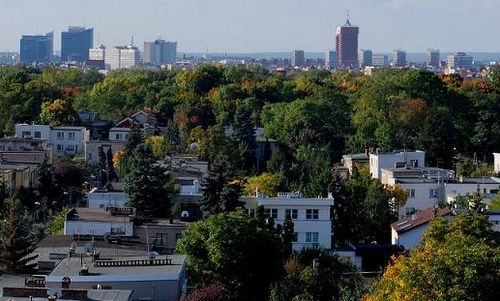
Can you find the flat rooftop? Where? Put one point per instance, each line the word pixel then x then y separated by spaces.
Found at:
pixel 71 267
pixel 95 215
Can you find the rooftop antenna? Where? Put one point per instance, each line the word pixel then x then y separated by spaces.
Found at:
pixel 348 23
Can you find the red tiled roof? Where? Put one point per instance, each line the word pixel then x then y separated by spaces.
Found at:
pixel 418 219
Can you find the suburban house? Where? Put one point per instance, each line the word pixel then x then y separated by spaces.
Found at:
pixel 145 119
pixel 427 186
pixel 397 159
pixel 99 222
pixel 103 199
pixel 98 128
pixel 65 140
pixel 311 216
pixel 408 231
pixel 149 277
pixel 496 164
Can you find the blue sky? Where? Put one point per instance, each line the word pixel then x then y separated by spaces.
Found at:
pixel 262 25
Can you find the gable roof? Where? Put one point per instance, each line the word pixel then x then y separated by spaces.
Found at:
pixel 418 219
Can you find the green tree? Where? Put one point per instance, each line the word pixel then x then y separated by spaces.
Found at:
pixel 58 112
pixel 149 186
pixel 265 183
pixel 378 213
pixel 221 188
pixel 216 253
pixel 18 238
pixel 288 236
pixel 110 168
pixel 457 260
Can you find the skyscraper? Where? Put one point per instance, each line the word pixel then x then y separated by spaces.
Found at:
pixel 75 44
pixel 432 58
pixel 347 44
pixel 399 58
pixel 160 52
pixel 460 60
pixel 298 59
pixel 365 58
pixel 331 59
pixel 36 48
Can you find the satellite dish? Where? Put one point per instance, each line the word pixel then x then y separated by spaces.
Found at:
pixel 185 214
pixel 153 255
pixel 89 248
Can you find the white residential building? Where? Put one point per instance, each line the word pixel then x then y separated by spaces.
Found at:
pixel 397 159
pixel 122 57
pixel 98 53
pixel 65 140
pixel 106 199
pixel 311 216
pixel 99 222
pixel 427 186
pixel 496 164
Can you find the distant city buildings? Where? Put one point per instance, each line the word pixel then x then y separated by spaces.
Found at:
pixel 331 59
pixel 36 48
pixel 120 57
pixel 365 58
pixel 380 60
pixel 298 59
pixel 160 52
pixel 399 58
pixel 75 44
pixel 460 60
pixel 432 58
pixel 346 39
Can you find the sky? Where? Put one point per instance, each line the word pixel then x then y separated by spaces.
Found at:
pixel 246 26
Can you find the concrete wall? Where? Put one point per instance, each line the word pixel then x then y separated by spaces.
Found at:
pixel 107 199
pixel 92 148
pixel 97 228
pixel 390 160
pixel 496 164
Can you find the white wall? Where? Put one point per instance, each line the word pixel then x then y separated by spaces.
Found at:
pixel 409 239
pixel 107 199
pixel 389 160
pixel 496 164
pixel 97 228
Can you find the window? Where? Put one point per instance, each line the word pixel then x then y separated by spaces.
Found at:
pixel 118 136
pixel 433 193
pixel 60 135
pixel 59 148
pixel 312 237
pixel 38 135
pixel 251 212
pixel 295 237
pixel 161 239
pixel 411 193
pixel 293 213
pixel 410 210
pixel 90 156
pixel 271 213
pixel 26 134
pixel 71 136
pixel 70 148
pixel 178 236
pixel 312 214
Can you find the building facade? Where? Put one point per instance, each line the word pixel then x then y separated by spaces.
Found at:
pixel 365 58
pixel 399 58
pixel 346 39
pixel 380 60
pixel 298 59
pixel 331 59
pixel 432 58
pixel 65 140
pixel 122 57
pixel 496 162
pixel 460 60
pixel 397 159
pixel 311 217
pixel 36 48
pixel 160 52
pixel 75 44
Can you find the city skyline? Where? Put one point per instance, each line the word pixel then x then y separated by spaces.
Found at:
pixel 282 24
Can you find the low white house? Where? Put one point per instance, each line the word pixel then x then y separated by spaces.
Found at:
pixel 496 164
pixel 397 159
pixel 99 222
pixel 311 216
pixel 106 199
pixel 65 140
pixel 407 232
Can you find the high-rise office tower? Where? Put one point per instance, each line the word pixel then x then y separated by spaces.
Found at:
pixel 160 52
pixel 432 58
pixel 460 60
pixel 399 58
pixel 98 53
pixel 380 60
pixel 365 58
pixel 36 48
pixel 347 44
pixel 75 44
pixel 298 59
pixel 331 59
pixel 122 57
